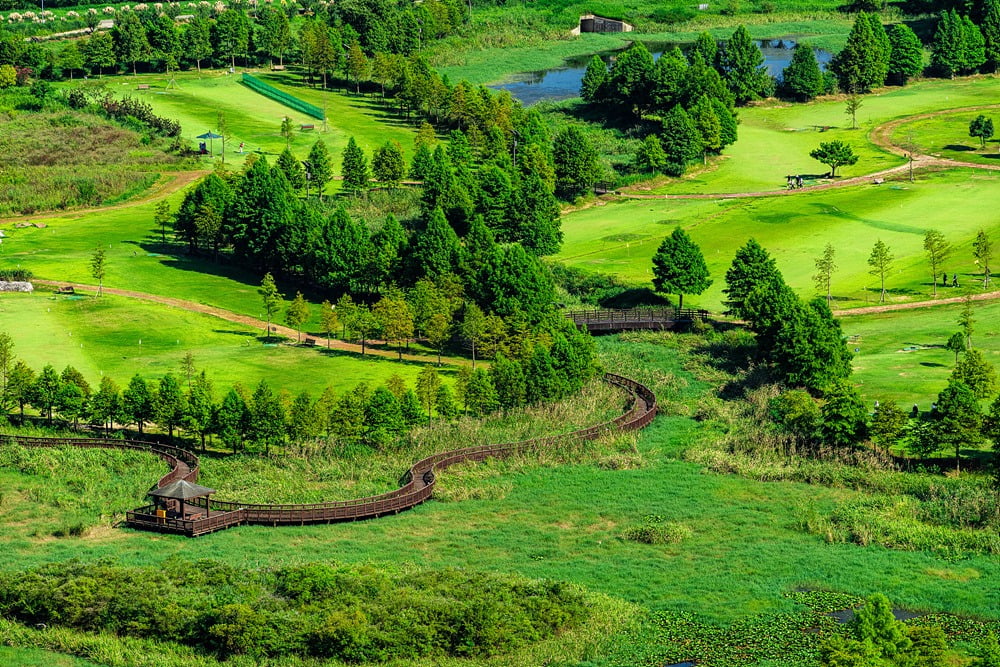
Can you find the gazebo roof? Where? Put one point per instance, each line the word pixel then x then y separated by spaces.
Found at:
pixel 181 490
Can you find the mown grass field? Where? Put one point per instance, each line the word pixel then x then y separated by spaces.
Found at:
pixel 886 368
pixel 565 522
pixel 947 136
pixel 255 120
pixel 621 237
pixel 775 139
pixel 119 337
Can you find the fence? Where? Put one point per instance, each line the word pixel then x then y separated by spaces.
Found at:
pixel 419 486
pixel 282 97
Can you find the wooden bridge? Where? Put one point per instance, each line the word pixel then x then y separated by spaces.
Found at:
pixel 657 319
pixel 209 515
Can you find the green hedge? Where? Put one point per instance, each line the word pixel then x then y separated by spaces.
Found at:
pixel 281 96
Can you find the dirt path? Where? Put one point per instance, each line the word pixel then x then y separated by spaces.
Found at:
pixel 870 310
pixel 881 136
pixel 253 322
pixel 176 180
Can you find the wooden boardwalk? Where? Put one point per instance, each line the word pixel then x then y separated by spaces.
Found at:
pixel 418 483
pixel 657 319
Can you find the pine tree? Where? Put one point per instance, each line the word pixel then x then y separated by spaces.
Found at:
pixel 388 165
pixel 137 401
pixel 802 79
pixel 319 167
pixel 844 416
pixel 906 57
pixel 650 156
pixel 292 169
pixel 436 249
pixel 990 26
pixel 679 267
pixel 706 122
pixel 594 81
pixel 858 66
pixel 168 404
pixel 752 266
pixel 271 299
pixel 959 418
pixel 681 141
pixel 744 69
pixel 629 81
pixel 576 163
pixel 355 168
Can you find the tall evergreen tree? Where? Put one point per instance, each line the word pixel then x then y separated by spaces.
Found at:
pixel 906 57
pixel 436 249
pixel 320 167
pixel 706 121
pixel 681 141
pixel 743 67
pixel 990 26
pixel 292 169
pixel 679 267
pixel 388 165
pixel 802 79
pixel 858 66
pixel 631 74
pixel 168 404
pixel 592 88
pixel 354 168
pixel 137 401
pixel 751 266
pixel 576 162
pixel 959 419
pixel 535 217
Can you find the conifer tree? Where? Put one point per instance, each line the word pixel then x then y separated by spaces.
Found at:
pixel 990 26
pixel 906 57
pixel 752 266
pixel 292 169
pixel 744 69
pixel 802 79
pixel 681 141
pixel 355 168
pixel 679 267
pixel 594 81
pixel 320 168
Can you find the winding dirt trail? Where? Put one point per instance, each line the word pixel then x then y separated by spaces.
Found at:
pixel 253 322
pixel 870 310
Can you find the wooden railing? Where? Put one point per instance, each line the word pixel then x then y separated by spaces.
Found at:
pixel 634 318
pixel 419 485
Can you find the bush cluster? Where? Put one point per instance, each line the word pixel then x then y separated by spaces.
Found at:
pixel 352 613
pixel 122 109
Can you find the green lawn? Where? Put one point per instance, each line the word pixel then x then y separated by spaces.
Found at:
pixel 33 657
pixel 947 136
pixel 887 369
pixel 775 139
pixel 119 337
pixel 255 119
pixel 621 237
pixel 565 522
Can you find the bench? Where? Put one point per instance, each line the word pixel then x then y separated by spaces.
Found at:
pixel 278 68
pixel 878 181
pixel 307 126
pixel 65 289
pixel 310 342
pixel 142 86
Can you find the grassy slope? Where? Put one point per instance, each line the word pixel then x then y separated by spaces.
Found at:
pixel 256 120
pixel 948 136
pixel 622 237
pixel 885 369
pixel 31 657
pixel 102 336
pixel 565 522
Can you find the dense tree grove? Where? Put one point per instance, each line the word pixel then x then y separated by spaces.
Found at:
pixel 528 370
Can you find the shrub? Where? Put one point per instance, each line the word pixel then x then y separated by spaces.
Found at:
pixel 654 530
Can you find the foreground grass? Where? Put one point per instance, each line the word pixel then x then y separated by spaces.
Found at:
pixel 746 548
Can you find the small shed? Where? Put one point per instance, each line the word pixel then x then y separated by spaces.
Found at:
pixel 173 498
pixel 594 23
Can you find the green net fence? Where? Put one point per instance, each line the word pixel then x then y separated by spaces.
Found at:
pixel 282 97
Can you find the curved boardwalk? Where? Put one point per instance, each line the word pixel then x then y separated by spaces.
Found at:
pixel 630 319
pixel 418 484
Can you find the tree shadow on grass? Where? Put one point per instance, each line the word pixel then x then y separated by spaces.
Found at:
pixel 931 364
pixel 959 147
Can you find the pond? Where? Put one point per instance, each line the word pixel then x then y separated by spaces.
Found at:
pixel 563 82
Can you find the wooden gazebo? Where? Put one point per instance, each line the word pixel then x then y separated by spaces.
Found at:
pixel 172 499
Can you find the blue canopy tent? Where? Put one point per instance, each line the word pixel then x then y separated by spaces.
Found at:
pixel 210 136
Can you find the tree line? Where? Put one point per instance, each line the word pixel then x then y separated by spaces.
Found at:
pixel 330 40
pixel 258 419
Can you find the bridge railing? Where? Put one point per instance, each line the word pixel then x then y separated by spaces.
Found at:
pixel 609 315
pixel 418 488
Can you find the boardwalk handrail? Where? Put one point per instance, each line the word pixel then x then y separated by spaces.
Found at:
pixel 419 486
